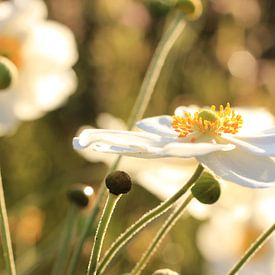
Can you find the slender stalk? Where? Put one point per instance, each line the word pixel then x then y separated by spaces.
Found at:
pixel 167 226
pixel 63 252
pixel 144 220
pixel 101 231
pixel 89 223
pixel 150 80
pixel 252 249
pixel 142 101
pixel 5 234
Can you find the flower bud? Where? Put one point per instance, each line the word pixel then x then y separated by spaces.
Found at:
pixel 80 195
pixel 191 8
pixel 118 182
pixel 206 189
pixel 165 271
pixel 8 73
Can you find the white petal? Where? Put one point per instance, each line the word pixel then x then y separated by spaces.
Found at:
pixel 49 46
pixel 159 125
pixel 21 15
pixel 138 144
pixel 242 168
pixel 254 119
pixel 260 145
pixel 40 93
pixel 269 130
pixel 186 150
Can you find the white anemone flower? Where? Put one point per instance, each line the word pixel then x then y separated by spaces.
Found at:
pixel 208 135
pixel 43 52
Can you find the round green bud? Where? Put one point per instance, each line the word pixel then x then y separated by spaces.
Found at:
pixel 165 271
pixel 118 182
pixel 208 115
pixel 206 189
pixel 80 195
pixel 191 8
pixel 8 73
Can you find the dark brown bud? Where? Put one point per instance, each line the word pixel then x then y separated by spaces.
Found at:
pixel 118 182
pixel 80 195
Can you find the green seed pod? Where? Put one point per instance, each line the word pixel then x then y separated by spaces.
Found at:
pixel 118 182
pixel 80 195
pixel 191 8
pixel 206 189
pixel 165 271
pixel 8 73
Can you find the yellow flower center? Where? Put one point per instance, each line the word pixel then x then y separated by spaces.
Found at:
pixel 210 122
pixel 10 47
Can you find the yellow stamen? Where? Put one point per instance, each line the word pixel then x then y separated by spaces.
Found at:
pixel 208 121
pixel 10 47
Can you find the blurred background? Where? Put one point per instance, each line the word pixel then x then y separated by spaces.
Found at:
pixel 228 55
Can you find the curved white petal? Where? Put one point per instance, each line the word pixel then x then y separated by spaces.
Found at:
pixel 50 46
pixel 242 168
pixel 138 144
pixel 159 125
pixel 43 92
pixel 269 130
pixel 186 150
pixel 254 119
pixel 142 144
pixel 260 145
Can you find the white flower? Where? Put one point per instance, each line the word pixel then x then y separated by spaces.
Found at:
pixel 237 219
pixel 43 52
pixel 208 135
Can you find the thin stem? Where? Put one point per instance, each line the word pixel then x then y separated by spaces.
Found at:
pixel 150 80
pixel 89 223
pixel 142 101
pixel 252 249
pixel 5 233
pixel 167 226
pixel 144 220
pixel 63 252
pixel 101 231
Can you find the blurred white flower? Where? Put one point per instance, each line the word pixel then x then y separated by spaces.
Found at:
pixel 235 222
pixel 208 135
pixel 43 52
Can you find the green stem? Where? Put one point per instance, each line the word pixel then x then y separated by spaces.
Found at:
pixel 101 231
pixel 138 110
pixel 252 249
pixel 89 223
pixel 5 233
pixel 144 220
pixel 150 80
pixel 167 226
pixel 65 241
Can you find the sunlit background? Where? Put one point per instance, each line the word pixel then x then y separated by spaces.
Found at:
pixel 228 55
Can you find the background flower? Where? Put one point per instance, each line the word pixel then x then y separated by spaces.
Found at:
pixel 43 52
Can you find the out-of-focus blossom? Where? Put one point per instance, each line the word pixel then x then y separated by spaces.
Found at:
pixel 235 222
pixel 208 135
pixel 43 52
